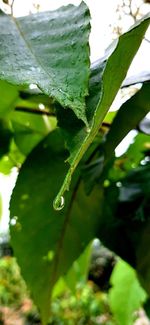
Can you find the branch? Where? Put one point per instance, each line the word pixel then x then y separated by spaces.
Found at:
pixel 33 111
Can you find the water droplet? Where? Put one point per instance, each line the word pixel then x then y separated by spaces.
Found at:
pixel 41 106
pixel 59 203
pixel 33 86
pixel 119 184
pixel 88 130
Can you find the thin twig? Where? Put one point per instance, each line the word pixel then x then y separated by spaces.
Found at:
pixel 33 111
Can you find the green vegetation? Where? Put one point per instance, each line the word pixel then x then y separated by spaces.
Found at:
pixel 71 188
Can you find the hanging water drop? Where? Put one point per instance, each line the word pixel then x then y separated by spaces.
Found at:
pixel 59 203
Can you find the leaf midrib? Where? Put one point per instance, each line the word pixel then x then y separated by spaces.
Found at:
pixel 38 63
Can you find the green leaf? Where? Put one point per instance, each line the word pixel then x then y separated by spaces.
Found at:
pixel 126 295
pixel 5 136
pixel 13 158
pixel 8 97
pixel 50 50
pixel 127 118
pixel 33 218
pixel 136 151
pixel 106 79
pixel 124 225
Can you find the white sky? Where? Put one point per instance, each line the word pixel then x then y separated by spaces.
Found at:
pixel 103 13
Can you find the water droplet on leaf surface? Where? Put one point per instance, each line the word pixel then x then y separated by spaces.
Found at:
pixel 59 203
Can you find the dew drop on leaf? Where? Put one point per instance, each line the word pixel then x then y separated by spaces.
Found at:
pixel 59 203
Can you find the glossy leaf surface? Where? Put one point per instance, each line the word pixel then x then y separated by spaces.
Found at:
pixel 126 294
pixel 63 232
pixel 50 50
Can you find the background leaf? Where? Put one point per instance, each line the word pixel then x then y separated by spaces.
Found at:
pixel 127 118
pixel 126 294
pixel 32 213
pixel 8 98
pixel 29 129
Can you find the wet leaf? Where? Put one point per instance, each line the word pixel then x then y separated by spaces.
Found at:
pixel 51 50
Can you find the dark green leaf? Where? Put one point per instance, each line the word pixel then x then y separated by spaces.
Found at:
pixel 127 118
pixel 13 158
pixel 34 217
pixel 124 225
pixel 106 79
pixel 50 50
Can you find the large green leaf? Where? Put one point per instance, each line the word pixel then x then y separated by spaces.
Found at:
pixel 45 241
pixel 126 295
pixel 51 50
pixel 14 158
pixel 106 79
